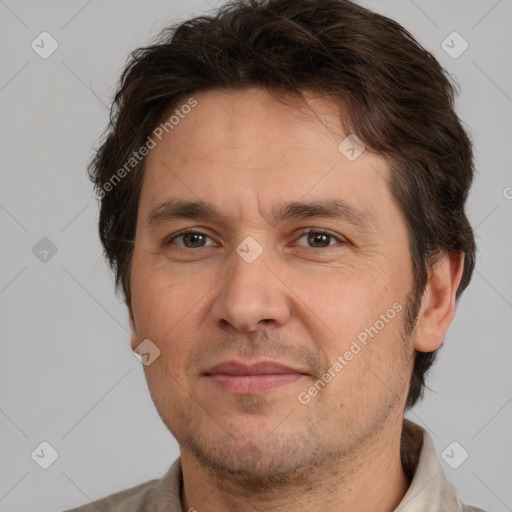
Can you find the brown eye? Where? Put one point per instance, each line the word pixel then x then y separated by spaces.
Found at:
pixel 319 239
pixel 190 239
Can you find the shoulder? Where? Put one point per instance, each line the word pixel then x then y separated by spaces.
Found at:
pixel 134 498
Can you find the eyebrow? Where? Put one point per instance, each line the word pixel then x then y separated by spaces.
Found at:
pixel 327 208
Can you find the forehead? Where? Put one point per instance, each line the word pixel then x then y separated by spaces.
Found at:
pixel 250 147
pixel 254 117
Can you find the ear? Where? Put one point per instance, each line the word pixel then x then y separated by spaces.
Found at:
pixel 438 302
pixel 133 332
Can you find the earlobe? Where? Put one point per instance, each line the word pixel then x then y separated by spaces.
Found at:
pixel 438 302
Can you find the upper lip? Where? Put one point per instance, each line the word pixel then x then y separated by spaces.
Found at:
pixel 259 368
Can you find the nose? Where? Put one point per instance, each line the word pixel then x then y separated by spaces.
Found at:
pixel 251 297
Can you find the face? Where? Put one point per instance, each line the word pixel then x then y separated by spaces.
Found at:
pixel 279 313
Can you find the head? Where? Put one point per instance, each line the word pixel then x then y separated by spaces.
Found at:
pixel 249 110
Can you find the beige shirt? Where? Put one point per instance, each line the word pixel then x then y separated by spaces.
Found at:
pixel 429 490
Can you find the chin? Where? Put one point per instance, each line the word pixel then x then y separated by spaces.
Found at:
pixel 263 461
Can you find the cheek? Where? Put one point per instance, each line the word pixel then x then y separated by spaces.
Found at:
pixel 372 366
pixel 158 306
pixel 345 303
pixel 169 310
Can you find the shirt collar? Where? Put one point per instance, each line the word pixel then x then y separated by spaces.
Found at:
pixel 429 488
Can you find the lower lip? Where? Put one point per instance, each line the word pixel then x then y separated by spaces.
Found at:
pixel 250 384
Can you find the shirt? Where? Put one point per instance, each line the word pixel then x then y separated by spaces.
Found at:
pixel 429 490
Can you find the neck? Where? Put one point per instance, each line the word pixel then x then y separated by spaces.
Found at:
pixel 371 479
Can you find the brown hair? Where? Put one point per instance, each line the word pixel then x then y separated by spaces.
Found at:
pixel 400 103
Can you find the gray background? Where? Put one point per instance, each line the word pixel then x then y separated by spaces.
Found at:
pixel 67 373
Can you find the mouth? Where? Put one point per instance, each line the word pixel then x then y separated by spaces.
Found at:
pixel 249 379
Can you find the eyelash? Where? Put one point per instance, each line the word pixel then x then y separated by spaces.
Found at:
pixel 303 233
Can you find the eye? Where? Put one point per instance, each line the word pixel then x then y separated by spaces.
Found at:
pixel 191 239
pixel 319 239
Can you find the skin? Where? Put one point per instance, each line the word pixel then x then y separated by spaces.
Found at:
pixel 301 302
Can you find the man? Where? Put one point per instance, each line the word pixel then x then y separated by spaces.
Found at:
pixel 282 200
